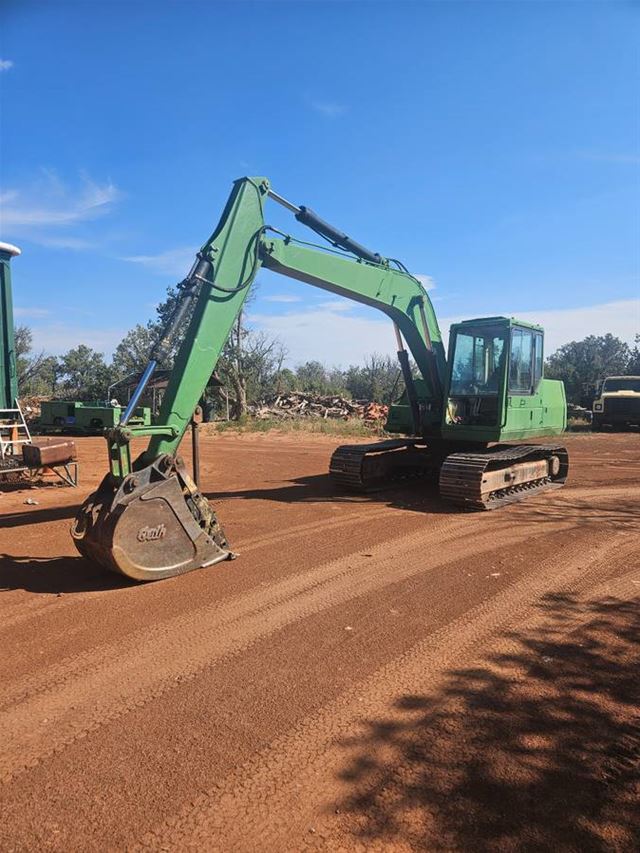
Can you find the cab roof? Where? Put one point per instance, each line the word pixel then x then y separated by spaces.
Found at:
pixel 497 321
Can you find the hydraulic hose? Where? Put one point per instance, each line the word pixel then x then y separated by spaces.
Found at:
pixel 162 347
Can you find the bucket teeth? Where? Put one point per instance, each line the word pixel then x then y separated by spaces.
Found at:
pixel 154 524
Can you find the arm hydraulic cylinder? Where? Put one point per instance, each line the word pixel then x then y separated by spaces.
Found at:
pixel 219 283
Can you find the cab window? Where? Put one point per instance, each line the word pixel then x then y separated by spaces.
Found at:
pixel 521 361
pixel 477 363
pixel 622 383
pixel 538 358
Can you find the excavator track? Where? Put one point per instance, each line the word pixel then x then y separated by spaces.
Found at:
pixel 502 475
pixel 481 480
pixel 369 467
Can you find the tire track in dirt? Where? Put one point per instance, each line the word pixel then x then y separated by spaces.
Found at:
pixel 593 493
pixel 254 808
pixel 501 656
pixel 44 714
pixel 500 651
pixel 13 614
pixel 624 587
pixel 62 670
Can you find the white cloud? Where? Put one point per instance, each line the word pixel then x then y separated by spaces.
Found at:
pixel 6 64
pixel 337 305
pixel 342 338
pixel 339 337
pixel 331 336
pixel 329 109
pixel 611 157
pixel 58 338
pixel 425 280
pixel 31 311
pixel 48 203
pixel 282 297
pixel 175 262
pixel 621 318
pixel 561 325
pixel 75 243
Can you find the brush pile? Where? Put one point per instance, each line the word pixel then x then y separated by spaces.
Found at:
pixel 296 404
pixel 31 407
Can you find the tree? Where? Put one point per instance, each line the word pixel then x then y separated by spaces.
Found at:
pixel 37 373
pixel 85 376
pixel 582 364
pixel 377 379
pixel 249 366
pixel 132 353
pixel 285 381
pixel 337 379
pixel 633 368
pixel 312 377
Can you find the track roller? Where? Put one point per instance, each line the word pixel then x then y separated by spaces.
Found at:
pixel 369 467
pixel 502 474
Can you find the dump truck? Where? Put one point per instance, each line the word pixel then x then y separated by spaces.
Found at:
pixel 469 418
pixel 617 404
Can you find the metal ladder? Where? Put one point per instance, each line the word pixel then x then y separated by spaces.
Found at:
pixel 14 432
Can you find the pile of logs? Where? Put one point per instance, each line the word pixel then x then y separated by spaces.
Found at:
pixel 298 405
pixel 31 407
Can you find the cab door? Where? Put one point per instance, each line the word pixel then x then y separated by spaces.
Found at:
pixel 524 398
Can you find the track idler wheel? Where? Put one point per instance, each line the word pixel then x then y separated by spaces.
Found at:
pixel 154 524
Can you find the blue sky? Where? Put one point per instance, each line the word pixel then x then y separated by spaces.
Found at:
pixel 494 147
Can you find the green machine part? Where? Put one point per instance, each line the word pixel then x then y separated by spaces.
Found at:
pixel 148 518
pixel 230 260
pixel 220 281
pixel 496 390
pixel 8 367
pixel 70 417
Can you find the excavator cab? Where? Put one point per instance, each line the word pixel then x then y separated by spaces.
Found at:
pixel 496 389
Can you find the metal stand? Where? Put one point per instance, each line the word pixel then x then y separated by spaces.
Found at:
pixel 14 432
pixel 66 471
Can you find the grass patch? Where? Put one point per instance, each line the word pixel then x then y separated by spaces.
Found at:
pixel 319 426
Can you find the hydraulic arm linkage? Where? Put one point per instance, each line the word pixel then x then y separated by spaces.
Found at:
pixel 148 519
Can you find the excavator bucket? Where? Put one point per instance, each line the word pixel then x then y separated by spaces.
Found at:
pixel 154 524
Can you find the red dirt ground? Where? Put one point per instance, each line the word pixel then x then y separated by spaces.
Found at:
pixel 373 673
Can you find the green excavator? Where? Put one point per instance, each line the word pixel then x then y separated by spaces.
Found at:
pixel 458 415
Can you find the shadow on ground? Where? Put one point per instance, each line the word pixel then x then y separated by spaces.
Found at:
pixel 418 495
pixel 612 511
pixel 38 516
pixel 58 576
pixel 537 749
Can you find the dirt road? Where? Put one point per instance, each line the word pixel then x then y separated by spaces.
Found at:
pixel 372 674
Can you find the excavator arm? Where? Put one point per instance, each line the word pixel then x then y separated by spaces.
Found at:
pixel 228 264
pixel 148 518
